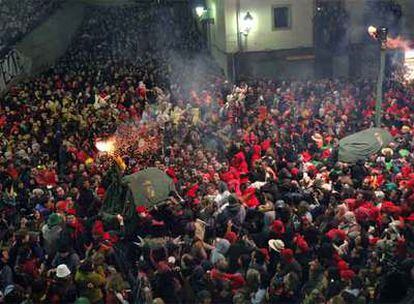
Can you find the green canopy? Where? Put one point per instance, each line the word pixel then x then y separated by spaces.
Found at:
pixel 361 145
pixel 149 187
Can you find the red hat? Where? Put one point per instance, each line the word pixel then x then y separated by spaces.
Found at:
pixel 278 227
pixel 347 274
pixel 312 168
pixel 373 240
pixel 294 171
pixel 306 156
pixel 336 233
pixel 342 265
pixel 301 243
pixel 61 205
pixel 266 144
pixel 231 237
pixel 71 212
pixel 100 191
pixel 141 209
pixel 287 254
pixel 98 228
pixel 389 207
pixel 373 213
pixel 405 171
pixel 106 236
pixel 326 154
pixel 361 214
pixel 114 238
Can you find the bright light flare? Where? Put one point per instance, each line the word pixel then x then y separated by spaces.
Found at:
pixel 372 31
pixel 392 43
pixel 409 65
pixel 409 54
pixel 200 10
pixel 247 23
pixel 107 146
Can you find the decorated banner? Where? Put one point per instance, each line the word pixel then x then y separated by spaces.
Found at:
pixel 149 187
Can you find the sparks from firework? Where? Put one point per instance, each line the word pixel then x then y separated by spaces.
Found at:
pixel 106 146
pixel 397 43
pixel 392 43
pixel 130 140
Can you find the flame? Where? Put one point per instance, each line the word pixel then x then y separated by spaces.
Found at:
pixel 106 145
pixel 398 43
pixel 392 43
pixel 120 162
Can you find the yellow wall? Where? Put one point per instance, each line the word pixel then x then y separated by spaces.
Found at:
pixel 262 36
pixel 217 30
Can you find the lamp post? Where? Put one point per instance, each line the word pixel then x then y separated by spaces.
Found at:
pixel 205 19
pixel 381 35
pixel 244 26
pixel 247 25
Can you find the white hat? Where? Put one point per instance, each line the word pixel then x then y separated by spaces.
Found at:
pixel 379 194
pixel 9 288
pixel 171 260
pixel 62 271
pixel 38 192
pixel 276 245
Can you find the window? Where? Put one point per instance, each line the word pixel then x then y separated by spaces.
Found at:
pixel 281 17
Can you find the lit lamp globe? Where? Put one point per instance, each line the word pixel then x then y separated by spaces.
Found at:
pixel 247 23
pixel 372 30
pixel 200 11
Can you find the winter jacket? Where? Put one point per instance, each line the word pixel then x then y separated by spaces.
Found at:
pixel 50 238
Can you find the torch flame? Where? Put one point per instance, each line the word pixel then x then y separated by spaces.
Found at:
pixel 106 145
pixel 392 43
pixel 397 43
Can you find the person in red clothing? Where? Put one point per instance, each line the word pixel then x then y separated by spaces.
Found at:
pixel 141 91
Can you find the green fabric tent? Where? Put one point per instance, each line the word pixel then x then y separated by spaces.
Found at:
pixel 361 145
pixel 149 187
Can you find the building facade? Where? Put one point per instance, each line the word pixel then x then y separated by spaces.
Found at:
pixel 300 38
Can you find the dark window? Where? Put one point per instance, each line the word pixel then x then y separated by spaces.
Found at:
pixel 281 17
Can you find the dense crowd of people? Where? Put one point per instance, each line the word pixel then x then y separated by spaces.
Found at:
pixel 263 211
pixel 17 18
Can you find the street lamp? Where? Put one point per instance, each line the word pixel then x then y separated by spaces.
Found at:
pixel 205 21
pixel 381 35
pixel 200 10
pixel 244 26
pixel 247 24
